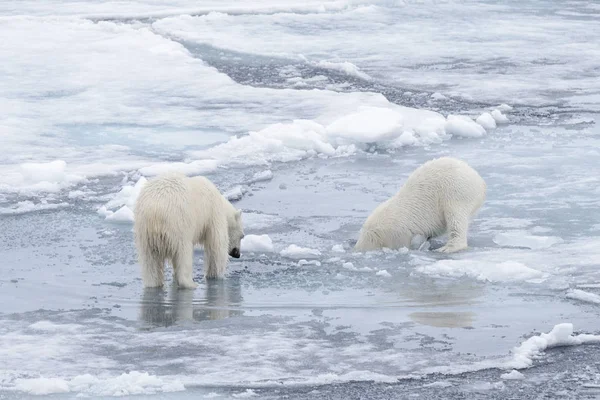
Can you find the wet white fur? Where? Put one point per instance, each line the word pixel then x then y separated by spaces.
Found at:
pixel 440 196
pixel 173 213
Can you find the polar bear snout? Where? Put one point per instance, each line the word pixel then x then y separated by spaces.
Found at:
pixel 235 253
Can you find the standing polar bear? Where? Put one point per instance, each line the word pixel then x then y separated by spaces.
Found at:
pixel 440 196
pixel 172 214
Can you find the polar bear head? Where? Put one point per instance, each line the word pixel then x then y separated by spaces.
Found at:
pixel 236 233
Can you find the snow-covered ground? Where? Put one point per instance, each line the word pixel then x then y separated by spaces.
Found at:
pixel 307 115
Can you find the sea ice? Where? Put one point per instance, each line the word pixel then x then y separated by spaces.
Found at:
pixel 262 176
pixel 338 248
pixel 236 193
pixel 486 120
pixel 345 67
pixel 512 375
pixel 499 117
pixel 257 243
pixel 582 295
pixel 383 273
pixel 561 335
pixel 524 239
pixel 508 271
pixel 462 126
pixel 123 202
pixel 297 252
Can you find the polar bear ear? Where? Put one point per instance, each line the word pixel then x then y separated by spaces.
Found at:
pixel 238 214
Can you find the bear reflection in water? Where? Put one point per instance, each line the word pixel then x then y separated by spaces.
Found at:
pixel 222 298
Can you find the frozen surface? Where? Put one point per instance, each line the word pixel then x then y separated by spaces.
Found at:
pixel 257 243
pixel 307 115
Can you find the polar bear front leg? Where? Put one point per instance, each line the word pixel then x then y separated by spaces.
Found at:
pixel 183 267
pixel 457 225
pixel 216 251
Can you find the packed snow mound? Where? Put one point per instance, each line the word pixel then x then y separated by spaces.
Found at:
pixel 34 178
pixel 120 208
pixel 524 239
pixel 561 335
pixel 257 243
pixel 512 375
pixel 499 117
pixel 461 126
pixel 486 121
pixel 297 252
pixel 131 383
pixel 338 248
pixel 235 193
pixel 345 67
pixel 387 128
pixel 371 124
pixel 508 271
pixel 383 273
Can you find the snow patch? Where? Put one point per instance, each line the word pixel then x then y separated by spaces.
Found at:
pixel 348 265
pixel 508 271
pixel 23 207
pixel 513 375
pixel 297 252
pixel 438 384
pixel 524 239
pixel 236 193
pixel 302 263
pixel 131 383
pixel 561 335
pixel 257 243
pixel 368 125
pixel 383 273
pixel 35 178
pixel 123 202
pixel 582 295
pixel 486 120
pixel 345 67
pixel 122 215
pixel 499 117
pixel 42 386
pixel 338 248
pixel 461 126
pixel 388 127
pixel 262 176
pixel 47 326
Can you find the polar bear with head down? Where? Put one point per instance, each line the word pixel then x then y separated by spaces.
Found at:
pixel 441 196
pixel 172 214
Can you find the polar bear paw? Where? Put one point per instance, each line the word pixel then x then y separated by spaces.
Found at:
pixel 448 248
pixel 188 285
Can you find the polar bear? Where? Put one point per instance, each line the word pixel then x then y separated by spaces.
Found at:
pixel 441 196
pixel 172 214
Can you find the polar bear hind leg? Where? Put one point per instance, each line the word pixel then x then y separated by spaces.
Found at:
pixel 153 269
pixel 183 266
